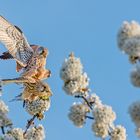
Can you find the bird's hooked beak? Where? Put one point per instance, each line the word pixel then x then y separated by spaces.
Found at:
pixel 45 52
pixel 50 94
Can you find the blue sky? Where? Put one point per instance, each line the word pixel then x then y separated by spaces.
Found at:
pixel 88 28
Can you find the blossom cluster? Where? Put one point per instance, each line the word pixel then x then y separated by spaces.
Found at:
pixel 90 107
pixel 134 111
pixel 75 80
pixel 36 101
pixel 128 39
pixel 129 42
pixel 36 108
pixel 34 133
pixel 4 120
pixel 11 133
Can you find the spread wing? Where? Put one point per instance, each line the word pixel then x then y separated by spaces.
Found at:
pixel 14 40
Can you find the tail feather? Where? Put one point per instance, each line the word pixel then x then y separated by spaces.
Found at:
pixel 19 80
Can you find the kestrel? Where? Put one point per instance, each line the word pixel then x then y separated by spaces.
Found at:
pixel 31 91
pixel 29 58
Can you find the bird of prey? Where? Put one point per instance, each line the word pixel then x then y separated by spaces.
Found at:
pixel 31 91
pixel 31 59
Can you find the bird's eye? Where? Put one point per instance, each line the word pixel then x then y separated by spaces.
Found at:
pixel 42 89
pixel 40 50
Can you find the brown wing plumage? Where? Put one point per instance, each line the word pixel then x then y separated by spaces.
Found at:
pixel 30 58
pixel 14 40
pixel 32 91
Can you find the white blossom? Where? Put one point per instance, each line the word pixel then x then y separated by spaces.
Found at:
pixel 35 133
pixel 71 68
pixel 132 47
pixel 134 111
pixel 104 114
pixel 137 131
pixel 135 76
pixel 78 113
pixel 37 106
pixel 94 100
pixel 100 129
pixel 127 31
pixel 4 121
pixel 8 137
pixel 14 134
pixel 118 133
pixel 77 85
pixel 3 108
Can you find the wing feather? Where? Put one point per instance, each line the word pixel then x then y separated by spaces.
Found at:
pixel 6 55
pixel 15 41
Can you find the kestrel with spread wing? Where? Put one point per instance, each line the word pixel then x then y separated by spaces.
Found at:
pixel 30 58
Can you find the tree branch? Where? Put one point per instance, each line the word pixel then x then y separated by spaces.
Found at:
pixel 30 122
pixel 2 129
pixel 90 106
pixel 89 117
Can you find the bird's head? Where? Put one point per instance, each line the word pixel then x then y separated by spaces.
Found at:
pixel 44 89
pixel 39 50
pixel 42 51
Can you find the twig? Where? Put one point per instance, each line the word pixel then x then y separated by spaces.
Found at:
pixel 2 129
pixel 78 96
pixel 89 117
pixel 30 122
pixel 24 102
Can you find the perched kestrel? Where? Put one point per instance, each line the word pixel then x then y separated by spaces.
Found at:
pixel 30 58
pixel 31 91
